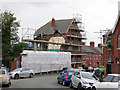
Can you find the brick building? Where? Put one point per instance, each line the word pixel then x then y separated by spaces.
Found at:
pixel 62 36
pixel 112 48
pixel 93 57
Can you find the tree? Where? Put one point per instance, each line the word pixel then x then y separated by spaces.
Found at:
pixel 18 48
pixel 9 34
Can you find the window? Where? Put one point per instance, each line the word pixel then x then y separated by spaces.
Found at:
pixel 90 55
pixel 115 79
pixel 74 59
pixel 108 78
pixel 109 42
pixel 70 47
pixel 2 72
pixel 118 41
pixel 117 60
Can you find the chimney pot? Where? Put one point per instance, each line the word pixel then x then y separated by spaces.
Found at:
pixel 92 43
pixel 53 22
pixel 99 45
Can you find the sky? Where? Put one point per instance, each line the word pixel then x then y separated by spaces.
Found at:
pixel 96 14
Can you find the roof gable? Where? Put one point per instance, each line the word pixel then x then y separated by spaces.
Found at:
pixel 60 25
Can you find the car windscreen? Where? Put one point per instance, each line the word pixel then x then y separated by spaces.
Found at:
pixel 2 72
pixel 18 69
pixel 87 75
pixel 70 73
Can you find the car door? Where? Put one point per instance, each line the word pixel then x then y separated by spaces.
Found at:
pixel 22 72
pixel 61 76
pixel 75 79
pixel 114 83
pixel 106 82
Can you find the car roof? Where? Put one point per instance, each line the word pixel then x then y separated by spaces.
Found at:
pixel 114 74
pixel 69 70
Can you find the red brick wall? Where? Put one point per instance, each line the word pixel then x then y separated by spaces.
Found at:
pixel 92 60
pixel 115 68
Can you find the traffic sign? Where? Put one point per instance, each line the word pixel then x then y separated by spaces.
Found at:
pixel 101 68
pixel 30 45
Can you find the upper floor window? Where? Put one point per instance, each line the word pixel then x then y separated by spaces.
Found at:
pixel 90 55
pixel 118 41
pixel 70 47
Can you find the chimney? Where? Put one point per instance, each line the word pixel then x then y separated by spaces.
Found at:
pixel 92 43
pixel 53 22
pixel 99 45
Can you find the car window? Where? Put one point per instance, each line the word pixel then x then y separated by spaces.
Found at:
pixel 2 72
pixel 18 69
pixel 23 69
pixel 108 78
pixel 87 75
pixel 75 74
pixel 115 79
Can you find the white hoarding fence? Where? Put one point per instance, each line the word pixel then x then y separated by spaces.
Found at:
pixel 44 61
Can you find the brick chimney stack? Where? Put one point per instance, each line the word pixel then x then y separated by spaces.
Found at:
pixel 92 43
pixel 53 22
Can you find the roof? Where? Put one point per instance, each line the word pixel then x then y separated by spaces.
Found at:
pixel 60 25
pixel 89 49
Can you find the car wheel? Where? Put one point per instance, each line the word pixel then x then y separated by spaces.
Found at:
pixel 58 82
pixel 8 85
pixel 63 83
pixel 79 86
pixel 93 88
pixel 31 75
pixel 16 76
pixel 70 85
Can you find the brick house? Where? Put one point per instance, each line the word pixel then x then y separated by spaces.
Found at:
pixel 93 57
pixel 111 49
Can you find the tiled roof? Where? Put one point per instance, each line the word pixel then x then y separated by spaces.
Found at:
pixel 89 49
pixel 60 25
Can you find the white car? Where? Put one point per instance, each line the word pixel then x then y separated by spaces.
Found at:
pixel 108 82
pixel 4 77
pixel 21 72
pixel 82 80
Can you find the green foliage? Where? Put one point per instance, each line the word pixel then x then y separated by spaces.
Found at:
pixel 9 34
pixel 18 48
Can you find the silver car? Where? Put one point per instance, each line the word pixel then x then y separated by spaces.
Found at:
pixel 21 72
pixel 82 80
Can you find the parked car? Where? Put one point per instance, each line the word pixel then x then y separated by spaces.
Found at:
pixel 82 80
pixel 110 81
pixel 4 77
pixel 65 77
pixel 21 72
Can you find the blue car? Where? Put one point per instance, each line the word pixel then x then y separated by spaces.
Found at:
pixel 65 77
